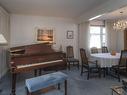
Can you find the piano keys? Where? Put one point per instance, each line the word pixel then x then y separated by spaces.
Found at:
pixel 26 67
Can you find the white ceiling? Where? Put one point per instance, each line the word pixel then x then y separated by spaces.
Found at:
pixel 115 14
pixel 56 8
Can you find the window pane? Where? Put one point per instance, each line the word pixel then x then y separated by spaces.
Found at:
pixel 103 30
pixel 97 36
pixel 95 41
pixel 94 30
pixel 104 40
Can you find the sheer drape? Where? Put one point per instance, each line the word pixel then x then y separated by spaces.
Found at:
pixel 84 36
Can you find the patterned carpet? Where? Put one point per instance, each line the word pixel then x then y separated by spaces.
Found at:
pixel 77 85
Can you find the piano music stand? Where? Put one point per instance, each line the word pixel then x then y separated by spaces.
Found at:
pixel 3 42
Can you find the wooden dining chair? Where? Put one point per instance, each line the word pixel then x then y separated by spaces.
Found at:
pixel 70 57
pixel 94 50
pixel 122 66
pixel 90 66
pixel 104 49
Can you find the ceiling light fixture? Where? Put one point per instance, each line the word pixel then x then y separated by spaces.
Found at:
pixel 120 24
pixel 95 17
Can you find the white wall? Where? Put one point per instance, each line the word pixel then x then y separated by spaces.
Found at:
pixel 23 30
pixel 4 29
pixel 106 7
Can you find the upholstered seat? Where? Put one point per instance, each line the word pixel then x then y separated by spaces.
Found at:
pixel 73 60
pixel 40 82
pixel 92 65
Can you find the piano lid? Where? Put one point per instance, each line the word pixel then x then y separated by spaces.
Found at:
pixel 33 49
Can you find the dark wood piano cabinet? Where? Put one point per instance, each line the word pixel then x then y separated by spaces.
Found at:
pixel 34 57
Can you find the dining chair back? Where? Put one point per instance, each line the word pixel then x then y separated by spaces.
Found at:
pixel 122 66
pixel 104 49
pixel 70 56
pixel 84 58
pixel 94 50
pixel 123 58
pixel 90 66
pixel 70 53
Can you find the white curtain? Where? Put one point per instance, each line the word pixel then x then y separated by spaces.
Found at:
pixel 114 38
pixel 84 36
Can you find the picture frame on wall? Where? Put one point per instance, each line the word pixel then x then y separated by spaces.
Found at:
pixel 45 35
pixel 70 35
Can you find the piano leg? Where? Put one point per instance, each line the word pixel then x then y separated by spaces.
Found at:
pixel 39 72
pixel 35 72
pixel 13 84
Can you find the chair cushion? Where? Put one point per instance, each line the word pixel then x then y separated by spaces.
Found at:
pixel 40 82
pixel 73 60
pixel 92 65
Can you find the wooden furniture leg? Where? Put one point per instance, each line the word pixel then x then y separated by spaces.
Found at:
pixel 69 65
pixel 35 72
pixel 40 72
pixel 58 86
pixel 65 87
pixel 78 65
pixel 13 90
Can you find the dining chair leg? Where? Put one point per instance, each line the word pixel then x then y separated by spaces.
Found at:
pixel 69 65
pixel 99 70
pixel 107 70
pixel 88 74
pixel 81 70
pixel 78 65
pixel 118 76
pixel 104 71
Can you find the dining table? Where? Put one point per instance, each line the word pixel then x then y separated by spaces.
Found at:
pixel 106 59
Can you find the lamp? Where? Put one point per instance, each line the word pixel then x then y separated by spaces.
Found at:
pixel 3 41
pixel 120 25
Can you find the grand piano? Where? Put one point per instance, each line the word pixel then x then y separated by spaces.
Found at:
pixel 34 57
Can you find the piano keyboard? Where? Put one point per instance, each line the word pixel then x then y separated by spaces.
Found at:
pixel 36 64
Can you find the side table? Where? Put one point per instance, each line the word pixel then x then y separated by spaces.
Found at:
pixel 118 90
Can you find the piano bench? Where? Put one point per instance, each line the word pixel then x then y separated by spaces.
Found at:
pixel 44 81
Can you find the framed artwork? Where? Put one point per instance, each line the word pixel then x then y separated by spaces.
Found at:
pixel 70 35
pixel 45 35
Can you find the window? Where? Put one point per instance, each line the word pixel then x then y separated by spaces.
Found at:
pixel 97 36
